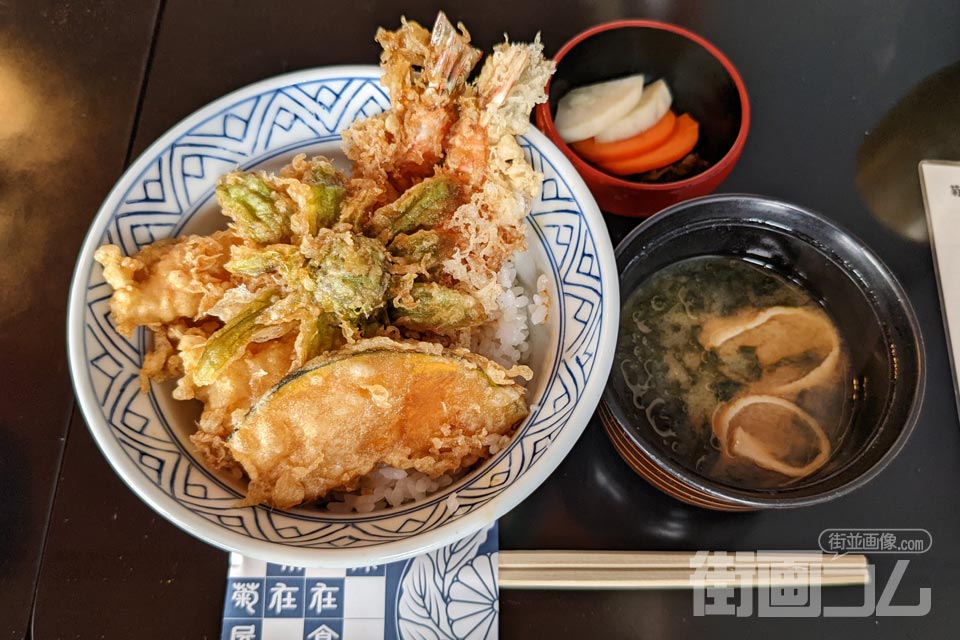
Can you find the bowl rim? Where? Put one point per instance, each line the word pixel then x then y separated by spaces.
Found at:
pixel 171 508
pixel 590 172
pixel 740 497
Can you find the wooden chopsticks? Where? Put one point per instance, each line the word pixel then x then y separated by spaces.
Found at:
pixel 675 570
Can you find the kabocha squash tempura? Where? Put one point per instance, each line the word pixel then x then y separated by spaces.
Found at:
pixel 376 401
pixel 326 331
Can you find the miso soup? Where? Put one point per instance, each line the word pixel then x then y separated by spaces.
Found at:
pixel 739 373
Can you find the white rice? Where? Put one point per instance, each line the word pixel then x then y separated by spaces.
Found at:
pixel 386 486
pixel 504 340
pixel 452 503
pixel 541 301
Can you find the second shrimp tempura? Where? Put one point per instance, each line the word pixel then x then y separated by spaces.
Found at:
pixel 461 137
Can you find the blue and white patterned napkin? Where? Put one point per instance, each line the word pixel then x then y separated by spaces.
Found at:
pixel 447 594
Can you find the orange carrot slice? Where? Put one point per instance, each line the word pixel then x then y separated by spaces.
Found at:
pixel 684 138
pixel 629 147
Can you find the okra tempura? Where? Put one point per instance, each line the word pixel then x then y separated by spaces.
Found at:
pixel 387 272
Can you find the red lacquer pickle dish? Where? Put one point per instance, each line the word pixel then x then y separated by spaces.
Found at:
pixel 642 150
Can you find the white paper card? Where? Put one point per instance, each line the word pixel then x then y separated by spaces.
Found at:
pixel 940 181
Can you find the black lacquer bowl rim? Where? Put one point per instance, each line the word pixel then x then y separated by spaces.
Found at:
pixel 886 297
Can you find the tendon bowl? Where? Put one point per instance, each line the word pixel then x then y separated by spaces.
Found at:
pixel 703 81
pixel 871 311
pixel 168 191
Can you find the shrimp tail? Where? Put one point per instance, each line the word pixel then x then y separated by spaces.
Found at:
pixel 511 83
pixel 452 56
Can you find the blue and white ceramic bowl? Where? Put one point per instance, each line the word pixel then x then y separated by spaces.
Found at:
pixel 169 191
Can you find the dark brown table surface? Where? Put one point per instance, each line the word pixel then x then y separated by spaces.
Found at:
pixel 85 86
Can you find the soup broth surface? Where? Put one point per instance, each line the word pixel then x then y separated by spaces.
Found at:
pixel 739 373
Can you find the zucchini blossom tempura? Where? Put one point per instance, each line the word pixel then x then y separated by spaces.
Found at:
pixel 326 329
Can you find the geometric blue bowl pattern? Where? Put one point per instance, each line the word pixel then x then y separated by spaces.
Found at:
pixel 176 177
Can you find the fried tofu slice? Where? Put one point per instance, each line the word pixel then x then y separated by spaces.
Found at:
pixel 378 401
